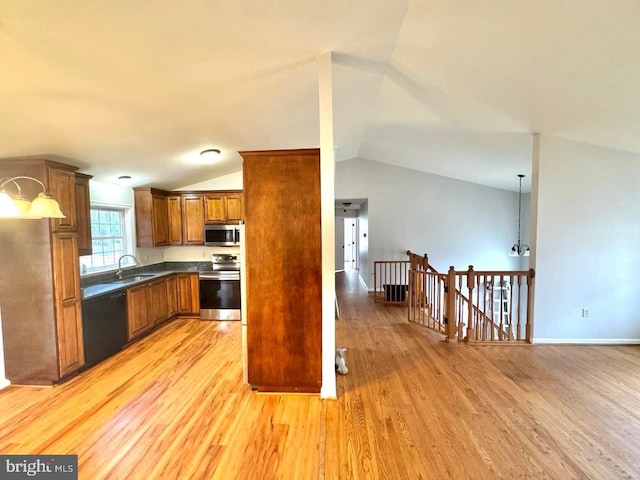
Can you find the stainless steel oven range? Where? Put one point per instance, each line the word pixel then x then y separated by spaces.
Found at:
pixel 220 289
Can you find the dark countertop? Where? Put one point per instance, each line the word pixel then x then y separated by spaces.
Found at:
pixel 105 283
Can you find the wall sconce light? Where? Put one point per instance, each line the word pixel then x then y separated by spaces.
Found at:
pixel 19 206
pixel 519 249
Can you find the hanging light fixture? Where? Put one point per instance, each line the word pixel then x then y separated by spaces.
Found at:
pixel 19 206
pixel 518 248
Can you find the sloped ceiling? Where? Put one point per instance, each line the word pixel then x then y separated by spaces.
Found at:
pixel 451 87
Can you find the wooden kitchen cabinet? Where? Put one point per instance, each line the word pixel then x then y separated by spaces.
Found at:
pixel 158 304
pixel 83 213
pixel 192 219
pixel 67 302
pixel 62 185
pixel 172 299
pixel 152 217
pixel 223 207
pixel 41 299
pixel 284 270
pixel 174 212
pixel 188 288
pixel 138 313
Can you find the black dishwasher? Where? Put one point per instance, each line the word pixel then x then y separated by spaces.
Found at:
pixel 104 324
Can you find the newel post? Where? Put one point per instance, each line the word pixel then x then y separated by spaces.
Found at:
pixel 529 325
pixel 450 292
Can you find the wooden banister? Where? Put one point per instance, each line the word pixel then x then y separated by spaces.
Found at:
pixel 484 313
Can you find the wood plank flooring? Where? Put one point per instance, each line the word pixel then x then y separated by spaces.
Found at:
pixel 173 406
pixel 413 406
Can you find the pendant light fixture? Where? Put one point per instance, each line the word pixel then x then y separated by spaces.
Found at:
pixel 519 249
pixel 18 206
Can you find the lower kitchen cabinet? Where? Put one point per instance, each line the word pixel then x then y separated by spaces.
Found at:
pixel 138 315
pixel 172 299
pixel 158 304
pixel 188 294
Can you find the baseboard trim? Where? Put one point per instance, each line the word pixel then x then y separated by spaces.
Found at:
pixel 4 383
pixel 586 341
pixel 363 283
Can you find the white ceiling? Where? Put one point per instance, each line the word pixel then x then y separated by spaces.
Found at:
pixel 452 87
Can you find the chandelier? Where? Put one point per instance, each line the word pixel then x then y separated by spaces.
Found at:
pixel 519 249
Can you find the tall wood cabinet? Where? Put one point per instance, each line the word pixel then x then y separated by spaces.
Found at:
pixel 283 270
pixel 40 299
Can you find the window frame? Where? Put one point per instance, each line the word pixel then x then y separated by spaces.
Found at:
pixel 128 236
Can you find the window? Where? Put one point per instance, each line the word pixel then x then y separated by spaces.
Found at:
pixel 108 239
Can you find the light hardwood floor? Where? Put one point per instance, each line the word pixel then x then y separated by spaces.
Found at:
pixel 173 406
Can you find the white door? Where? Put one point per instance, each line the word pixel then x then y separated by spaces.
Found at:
pixel 339 237
pixel 350 242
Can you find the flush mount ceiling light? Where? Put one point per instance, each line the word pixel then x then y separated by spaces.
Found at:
pixel 19 206
pixel 209 155
pixel 517 248
pixel 125 180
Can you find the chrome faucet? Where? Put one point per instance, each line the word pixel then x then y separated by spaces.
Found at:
pixel 119 272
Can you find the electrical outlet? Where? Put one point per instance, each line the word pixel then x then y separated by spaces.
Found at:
pixel 585 312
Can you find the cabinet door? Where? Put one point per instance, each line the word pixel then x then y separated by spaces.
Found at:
pixel 83 212
pixel 215 208
pixel 67 302
pixel 235 210
pixel 174 207
pixel 158 304
pixel 193 219
pixel 137 311
pixel 172 299
pixel 62 185
pixel 188 294
pixel 160 220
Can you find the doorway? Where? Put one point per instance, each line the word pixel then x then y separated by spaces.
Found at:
pixel 350 243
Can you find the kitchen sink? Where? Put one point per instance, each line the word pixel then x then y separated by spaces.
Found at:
pixel 135 278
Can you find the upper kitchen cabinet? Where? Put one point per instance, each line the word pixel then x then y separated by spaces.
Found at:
pixel 224 207
pixel 192 219
pixel 174 211
pixel 62 185
pixel 284 270
pixel 152 217
pixel 83 213
pixel 39 281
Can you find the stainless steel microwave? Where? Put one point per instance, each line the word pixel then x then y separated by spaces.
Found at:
pixel 222 235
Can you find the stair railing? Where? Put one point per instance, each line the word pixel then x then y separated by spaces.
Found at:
pixel 475 306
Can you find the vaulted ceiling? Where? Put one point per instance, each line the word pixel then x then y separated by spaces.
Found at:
pixel 451 87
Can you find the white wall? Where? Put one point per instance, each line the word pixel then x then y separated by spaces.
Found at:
pixel 363 242
pixel 587 233
pixel 233 181
pixel 110 194
pixel 456 223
